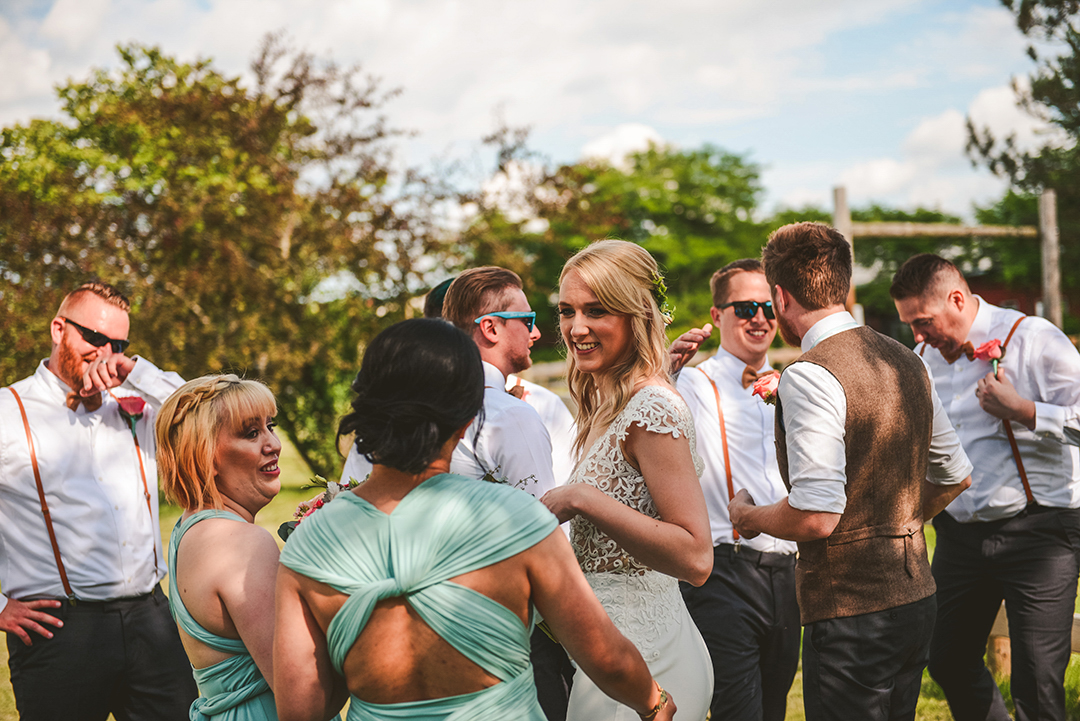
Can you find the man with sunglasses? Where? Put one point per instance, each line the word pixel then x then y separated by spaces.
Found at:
pixel 746 612
pixel 509 438
pixel 88 628
pixel 869 455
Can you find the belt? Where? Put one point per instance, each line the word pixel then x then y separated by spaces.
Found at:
pixel 764 559
pixel 116 604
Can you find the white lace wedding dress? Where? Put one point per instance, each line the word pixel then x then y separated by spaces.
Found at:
pixel 644 604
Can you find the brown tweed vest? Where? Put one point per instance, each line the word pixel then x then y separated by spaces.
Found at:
pixel 875 559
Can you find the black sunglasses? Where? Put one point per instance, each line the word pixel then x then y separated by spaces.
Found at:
pixel 97 339
pixel 747 309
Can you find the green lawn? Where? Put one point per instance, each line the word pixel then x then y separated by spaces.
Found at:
pixel 295 473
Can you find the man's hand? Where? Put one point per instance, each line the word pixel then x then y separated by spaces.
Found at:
pixel 686 346
pixel 999 398
pixel 739 510
pixel 106 371
pixel 18 617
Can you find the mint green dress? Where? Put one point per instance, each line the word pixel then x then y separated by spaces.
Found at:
pixel 230 690
pixel 447 526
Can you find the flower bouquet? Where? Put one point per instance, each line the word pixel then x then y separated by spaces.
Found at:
pixel 331 489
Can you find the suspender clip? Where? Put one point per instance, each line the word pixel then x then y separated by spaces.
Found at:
pixel 72 601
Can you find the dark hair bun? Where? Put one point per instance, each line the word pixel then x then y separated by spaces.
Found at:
pixel 420 381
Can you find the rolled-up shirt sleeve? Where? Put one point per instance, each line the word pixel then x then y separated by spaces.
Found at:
pixel 948 463
pixel 815 409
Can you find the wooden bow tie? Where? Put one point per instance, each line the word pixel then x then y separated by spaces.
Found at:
pixel 966 349
pixel 750 376
pixel 92 403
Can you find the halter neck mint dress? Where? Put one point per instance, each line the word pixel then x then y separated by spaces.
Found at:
pixel 447 526
pixel 230 690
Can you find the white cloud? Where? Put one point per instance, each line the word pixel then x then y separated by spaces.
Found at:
pixel 620 142
pixel 74 22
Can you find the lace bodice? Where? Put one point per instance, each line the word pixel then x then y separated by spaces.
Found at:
pixel 657 410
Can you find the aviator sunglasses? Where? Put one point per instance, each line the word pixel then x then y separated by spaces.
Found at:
pixel 747 309
pixel 529 319
pixel 97 339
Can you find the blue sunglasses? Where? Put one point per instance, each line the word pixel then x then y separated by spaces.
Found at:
pixel 528 318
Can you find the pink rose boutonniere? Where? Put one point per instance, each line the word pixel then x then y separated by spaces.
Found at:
pixel 765 388
pixel 131 408
pixel 991 351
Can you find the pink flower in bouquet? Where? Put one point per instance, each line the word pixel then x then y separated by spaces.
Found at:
pixel 990 350
pixel 765 387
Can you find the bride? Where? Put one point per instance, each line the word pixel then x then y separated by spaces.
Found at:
pixel 638 518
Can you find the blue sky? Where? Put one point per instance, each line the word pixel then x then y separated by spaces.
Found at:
pixel 871 94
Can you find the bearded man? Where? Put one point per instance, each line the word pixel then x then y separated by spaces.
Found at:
pixel 88 628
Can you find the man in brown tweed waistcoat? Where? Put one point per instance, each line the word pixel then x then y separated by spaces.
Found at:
pixel 868 455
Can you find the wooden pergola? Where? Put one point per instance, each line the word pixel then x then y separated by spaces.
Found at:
pixel 1047 232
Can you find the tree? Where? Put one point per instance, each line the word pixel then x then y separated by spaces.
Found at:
pixel 223 211
pixel 1052 95
pixel 692 209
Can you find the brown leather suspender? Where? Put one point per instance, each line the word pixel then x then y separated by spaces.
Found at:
pixel 44 505
pixel 723 440
pixel 1009 431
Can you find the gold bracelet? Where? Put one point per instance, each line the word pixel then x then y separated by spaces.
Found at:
pixel 658 707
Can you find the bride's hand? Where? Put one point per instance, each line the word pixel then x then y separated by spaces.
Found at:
pixel 565 501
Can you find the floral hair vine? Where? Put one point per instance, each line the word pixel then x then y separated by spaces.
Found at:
pixel 659 293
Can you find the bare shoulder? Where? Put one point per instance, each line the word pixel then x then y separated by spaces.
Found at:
pixel 225 544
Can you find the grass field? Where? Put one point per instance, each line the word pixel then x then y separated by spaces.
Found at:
pixel 295 473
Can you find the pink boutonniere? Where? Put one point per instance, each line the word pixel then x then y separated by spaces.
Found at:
pixel 991 351
pixel 765 388
pixel 131 407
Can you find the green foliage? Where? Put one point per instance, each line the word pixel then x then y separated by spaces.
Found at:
pixel 1053 96
pixel 221 210
pixel 692 209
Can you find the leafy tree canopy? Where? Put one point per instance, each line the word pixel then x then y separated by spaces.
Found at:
pixel 221 209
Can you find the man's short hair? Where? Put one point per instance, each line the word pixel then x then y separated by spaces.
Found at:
pixel 475 292
pixel 721 279
pixel 811 261
pixel 922 274
pixel 109 294
pixel 433 301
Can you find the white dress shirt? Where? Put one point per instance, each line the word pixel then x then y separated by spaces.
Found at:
pixel 558 421
pixel 751 445
pixel 1044 366
pixel 815 409
pixel 93 486
pixel 513 440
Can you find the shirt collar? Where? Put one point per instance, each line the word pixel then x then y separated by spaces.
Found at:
pixel 730 364
pixel 493 377
pixel 53 386
pixel 828 326
pixel 980 329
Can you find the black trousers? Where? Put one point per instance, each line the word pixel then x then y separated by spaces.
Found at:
pixel 1030 561
pixel 121 657
pixel 868 666
pixel 749 617
pixel 553 674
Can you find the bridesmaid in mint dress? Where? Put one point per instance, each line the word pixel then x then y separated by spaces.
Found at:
pixel 217 457
pixel 418 586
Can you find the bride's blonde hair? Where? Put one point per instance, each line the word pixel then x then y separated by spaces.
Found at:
pixel 623 276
